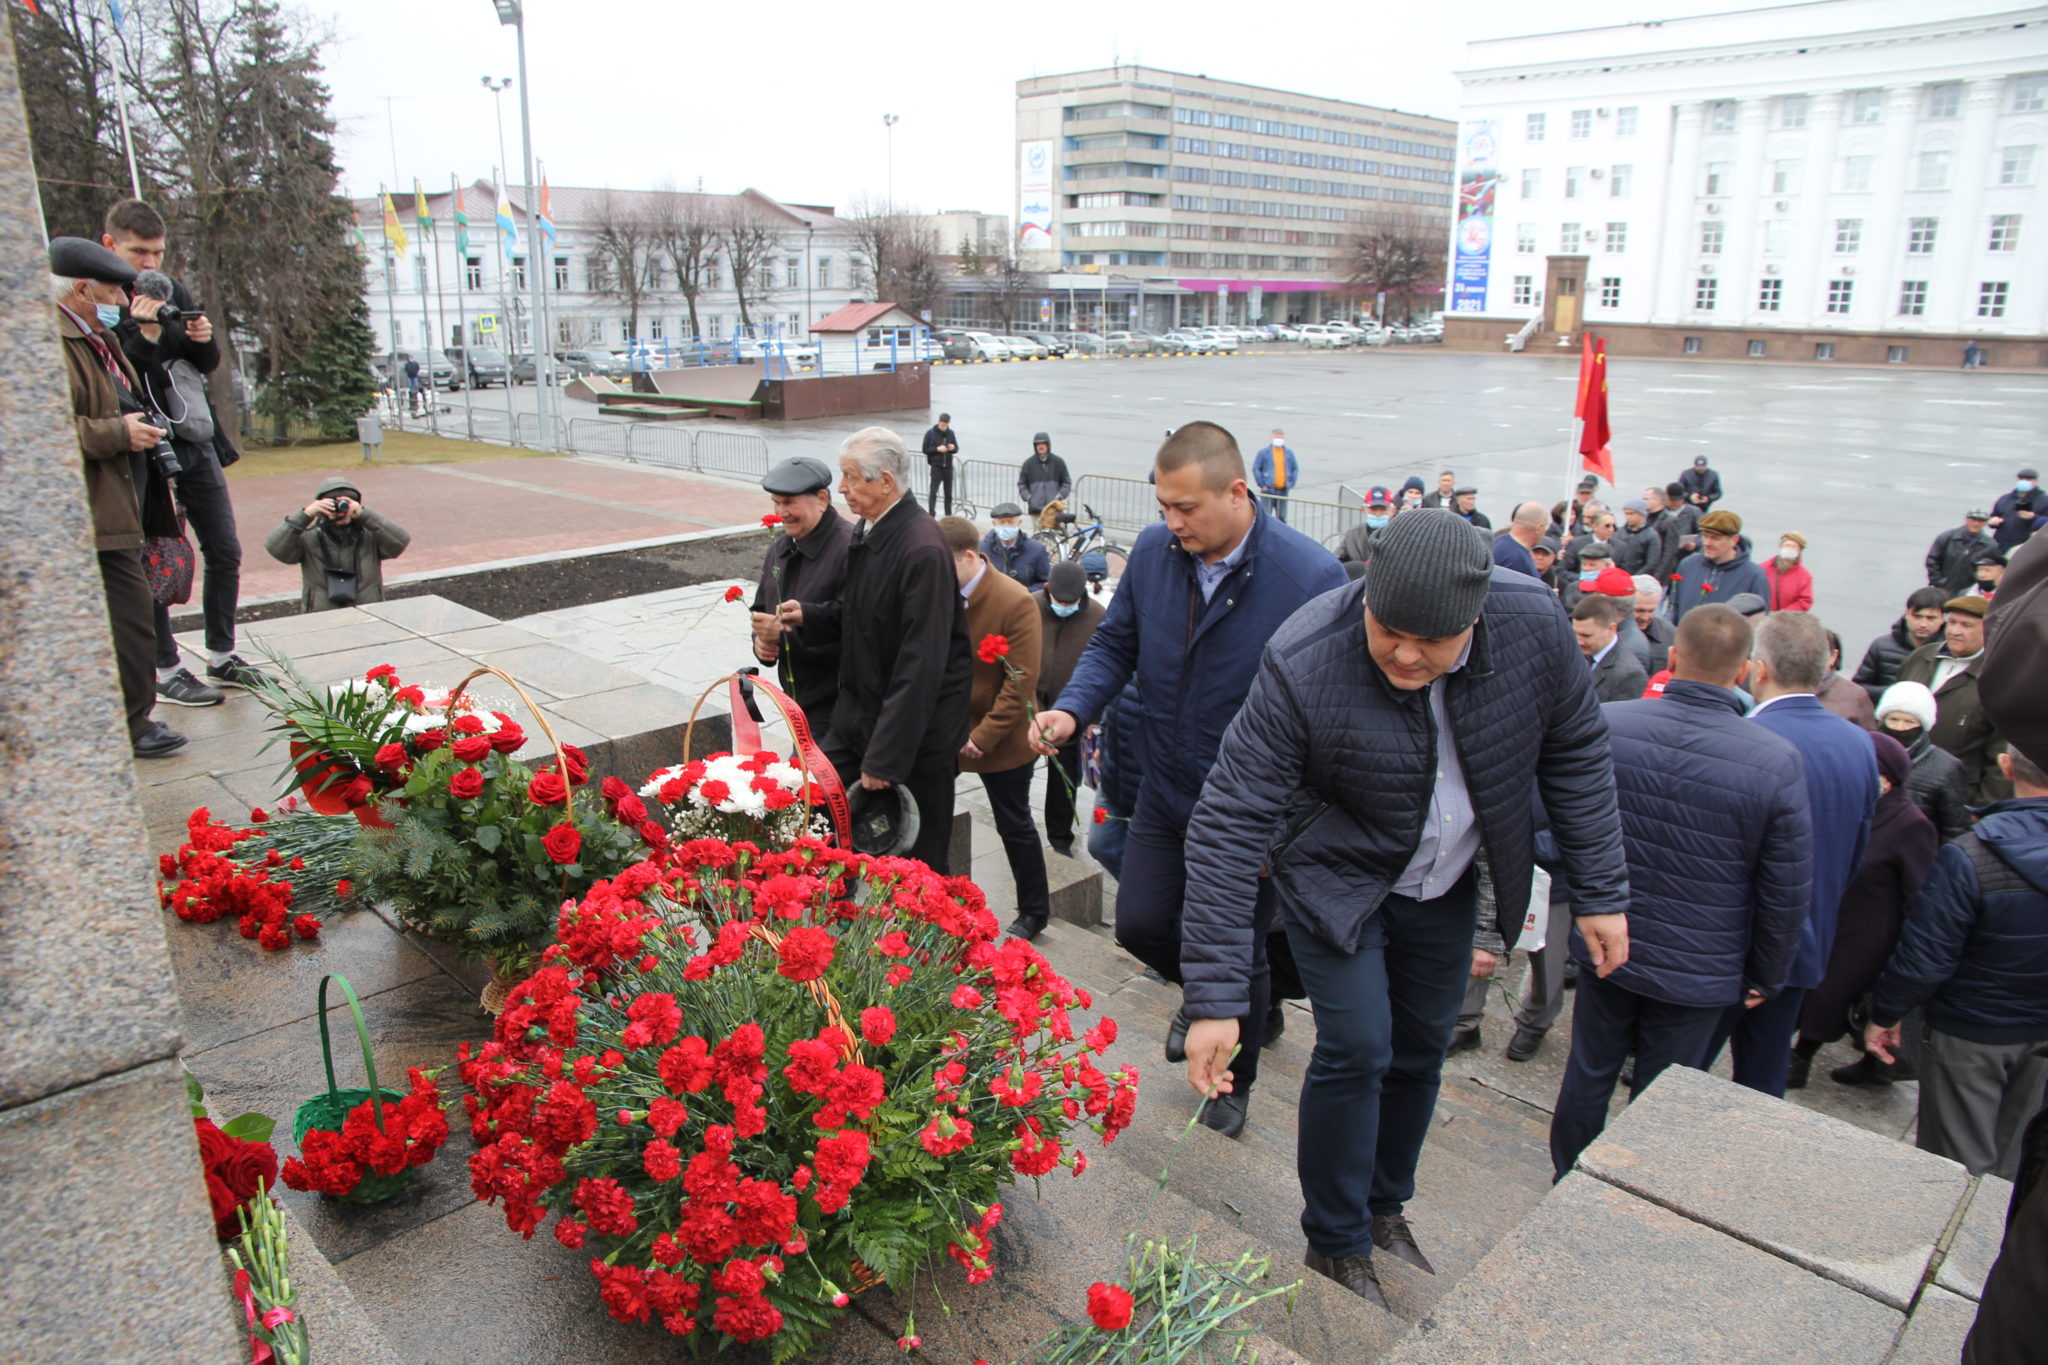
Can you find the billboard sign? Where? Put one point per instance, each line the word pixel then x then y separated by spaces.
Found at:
pixel 1034 196
pixel 1472 247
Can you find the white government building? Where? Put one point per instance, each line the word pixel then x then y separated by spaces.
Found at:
pixel 1854 180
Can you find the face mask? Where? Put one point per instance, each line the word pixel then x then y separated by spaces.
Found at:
pixel 1411 500
pixel 1588 575
pixel 1788 551
pixel 109 314
pixel 1908 737
pixel 1987 585
pixel 1007 532
pixel 1065 609
pixel 1376 522
pixel 1279 444
pixel 2023 486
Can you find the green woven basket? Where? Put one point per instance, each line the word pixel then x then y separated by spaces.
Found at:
pixel 326 1113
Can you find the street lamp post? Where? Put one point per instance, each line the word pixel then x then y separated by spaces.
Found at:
pixel 511 13
pixel 498 89
pixel 889 132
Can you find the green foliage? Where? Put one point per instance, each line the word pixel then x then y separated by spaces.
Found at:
pixel 347 723
pixel 250 1127
pixel 264 1254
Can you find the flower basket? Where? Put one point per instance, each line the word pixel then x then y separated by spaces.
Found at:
pixel 821 780
pixel 339 1112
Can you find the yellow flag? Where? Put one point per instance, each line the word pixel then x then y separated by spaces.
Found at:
pixel 421 214
pixel 394 231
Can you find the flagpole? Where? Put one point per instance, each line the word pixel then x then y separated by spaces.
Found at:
pixel 426 318
pixel 461 317
pixel 121 99
pixel 390 294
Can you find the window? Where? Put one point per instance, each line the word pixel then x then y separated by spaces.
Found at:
pixel 2016 165
pixel 1777 236
pixel 1692 345
pixel 1525 239
pixel 711 277
pixel 1610 291
pixel 1711 237
pixel 519 272
pixel 1770 294
pixel 715 325
pixel 1823 350
pixel 1525 291
pixel 1616 239
pixel 1866 106
pixel 1532 183
pixel 1991 299
pixel 1912 298
pixel 653 272
pixel 1945 100
pixel 1920 234
pixel 1756 350
pixel 1856 174
pixel 1784 177
pixel 1568 239
pixel 654 329
pixel 561 272
pixel 1625 121
pixel 2030 94
pixel 1717 178
pixel 1721 116
pixel 1840 293
pixel 1620 180
pixel 1582 123
pixel 1932 171
pixel 793 272
pixel 1792 111
pixel 2005 232
pixel 1895 355
pixel 565 332
pixel 1573 176
pixel 1705 291
pixel 1534 126
pixel 824 272
pixel 1848 236
pixel 473 273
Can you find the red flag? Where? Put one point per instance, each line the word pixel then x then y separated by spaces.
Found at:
pixel 1592 409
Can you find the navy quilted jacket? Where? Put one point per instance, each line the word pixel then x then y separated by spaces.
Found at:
pixel 1720 847
pixel 1841 793
pixel 1193 660
pixel 1325 778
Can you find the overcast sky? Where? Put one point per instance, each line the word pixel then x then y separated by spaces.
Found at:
pixel 789 97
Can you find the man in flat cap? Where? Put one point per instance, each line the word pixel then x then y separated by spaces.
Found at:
pixel 1719 570
pixel 806 563
pixel 1379 771
pixel 1012 552
pixel 1951 668
pixel 129 494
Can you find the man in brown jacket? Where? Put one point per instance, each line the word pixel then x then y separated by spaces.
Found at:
pixel 130 497
pixel 1000 707
pixel 1949 668
pixel 1067 618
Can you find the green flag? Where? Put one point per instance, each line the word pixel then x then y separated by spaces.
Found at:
pixel 461 226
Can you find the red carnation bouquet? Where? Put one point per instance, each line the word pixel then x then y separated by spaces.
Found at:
pixel 751 1083
pixel 275 877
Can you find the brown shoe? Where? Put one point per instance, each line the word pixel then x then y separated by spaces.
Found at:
pixel 1390 1234
pixel 1355 1273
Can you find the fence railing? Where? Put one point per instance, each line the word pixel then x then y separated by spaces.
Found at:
pixel 985 483
pixel 1130 505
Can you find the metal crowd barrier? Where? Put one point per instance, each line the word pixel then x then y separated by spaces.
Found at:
pixel 985 483
pixel 1130 505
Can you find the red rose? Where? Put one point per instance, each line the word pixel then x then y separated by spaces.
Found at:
pixel 468 724
pixel 473 748
pixel 508 737
pixel 390 757
pixel 735 593
pixel 426 741
pixel 357 791
pixel 1110 1306
pixel 614 790
pixel 806 952
pixel 547 789
pixel 993 647
pixel 631 810
pixel 467 784
pixel 563 843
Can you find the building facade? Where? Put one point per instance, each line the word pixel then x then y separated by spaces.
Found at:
pixel 1232 202
pixel 806 270
pixel 1859 180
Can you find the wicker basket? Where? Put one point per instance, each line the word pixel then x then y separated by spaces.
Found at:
pixel 326 1113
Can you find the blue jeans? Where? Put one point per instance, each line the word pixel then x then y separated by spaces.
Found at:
pixel 1763 1040
pixel 1276 503
pixel 1384 1016
pixel 1608 1023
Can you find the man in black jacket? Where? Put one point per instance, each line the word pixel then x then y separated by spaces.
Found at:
pixel 1043 477
pixel 135 232
pixel 1701 485
pixel 1388 747
pixel 1617 674
pixel 806 562
pixel 1920 624
pixel 2018 514
pixel 941 448
pixel 901 625
pixel 1951 559
pixel 1663 521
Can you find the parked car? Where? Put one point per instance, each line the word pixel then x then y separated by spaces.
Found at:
pixel 1222 338
pixel 1055 345
pixel 601 363
pixel 523 371
pixel 1085 343
pixel 1191 342
pixel 478 367
pixel 1320 336
pixel 957 346
pixel 1281 331
pixel 795 352
pixel 987 346
pixel 1024 348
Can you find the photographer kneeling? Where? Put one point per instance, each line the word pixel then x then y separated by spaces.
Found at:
pixel 340 547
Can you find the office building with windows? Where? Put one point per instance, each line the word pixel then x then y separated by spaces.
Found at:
pixel 1153 198
pixel 1856 180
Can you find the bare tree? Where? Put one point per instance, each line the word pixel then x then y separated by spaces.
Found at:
pixel 752 239
pixel 1393 253
pixel 624 236
pixel 686 231
pixel 1013 284
pixel 897 255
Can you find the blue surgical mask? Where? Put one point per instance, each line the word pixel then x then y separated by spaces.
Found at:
pixel 1064 609
pixel 1588 575
pixel 109 315
pixel 1007 532
pixel 2024 486
pixel 1375 522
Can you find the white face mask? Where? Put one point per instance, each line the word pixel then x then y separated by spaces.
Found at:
pixel 1788 550
pixel 1006 532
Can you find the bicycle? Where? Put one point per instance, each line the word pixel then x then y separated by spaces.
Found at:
pixel 1089 545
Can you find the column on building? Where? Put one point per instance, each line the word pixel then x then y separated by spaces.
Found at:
pixel 1810 262
pixel 1741 222
pixel 1884 263
pixel 1671 285
pixel 1952 289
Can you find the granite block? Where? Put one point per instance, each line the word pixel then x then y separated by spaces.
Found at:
pixel 960 848
pixel 417 660
pixel 1977 1238
pixel 1936 1331
pixel 310 623
pixel 325 632
pixel 1076 890
pixel 484 639
pixel 337 1328
pixel 1596 1273
pixel 634 708
pixel 167 805
pixel 559 671
pixel 428 615
pixel 212 755
pixel 1771 1173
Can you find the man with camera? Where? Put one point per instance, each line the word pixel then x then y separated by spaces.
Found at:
pixel 128 466
pixel 169 341
pixel 340 547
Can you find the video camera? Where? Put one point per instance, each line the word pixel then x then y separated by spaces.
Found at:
pixel 157 285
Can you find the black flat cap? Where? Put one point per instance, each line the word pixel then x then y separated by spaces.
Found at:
pixel 1068 582
pixel 77 259
pixel 797 474
pixel 1007 509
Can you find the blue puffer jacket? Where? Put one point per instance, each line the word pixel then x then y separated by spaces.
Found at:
pixel 1974 949
pixel 1700 580
pixel 1194 661
pixel 1326 774
pixel 1841 793
pixel 1021 558
pixel 1720 845
pixel 1123 753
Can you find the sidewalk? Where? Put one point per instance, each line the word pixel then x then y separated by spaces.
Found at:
pixel 491 510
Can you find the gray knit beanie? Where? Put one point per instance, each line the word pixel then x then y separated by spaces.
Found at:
pixel 1429 573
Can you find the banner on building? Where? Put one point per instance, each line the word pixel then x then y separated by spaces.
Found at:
pixel 1472 252
pixel 1034 196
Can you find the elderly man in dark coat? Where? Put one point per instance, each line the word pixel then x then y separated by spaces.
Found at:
pixel 1950 667
pixel 1388 748
pixel 806 562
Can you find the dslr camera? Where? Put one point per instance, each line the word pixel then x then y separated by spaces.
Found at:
pixel 165 458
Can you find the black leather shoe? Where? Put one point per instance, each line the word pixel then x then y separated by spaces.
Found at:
pixel 1466 1039
pixel 1571 975
pixel 1522 1047
pixel 1865 1070
pixel 1063 847
pixel 1355 1273
pixel 1800 1072
pixel 1390 1234
pixel 1026 929
pixel 158 741
pixel 1177 1038
pixel 1276 1023
pixel 1226 1113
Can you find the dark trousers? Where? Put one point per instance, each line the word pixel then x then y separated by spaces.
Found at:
pixel 203 490
pixel 1059 796
pixel 1609 1022
pixel 1762 1038
pixel 942 477
pixel 128 612
pixel 1149 892
pixel 1384 1016
pixel 931 789
pixel 1009 799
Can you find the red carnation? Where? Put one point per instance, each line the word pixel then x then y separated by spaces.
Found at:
pixel 467 784
pixel 878 1024
pixel 655 1019
pixel 547 789
pixel 806 952
pixel 993 647
pixel 1101 816
pixel 735 593
pixel 714 791
pixel 771 521
pixel 344 889
pixel 562 843
pixel 306 926
pixel 381 671
pixel 1110 1306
